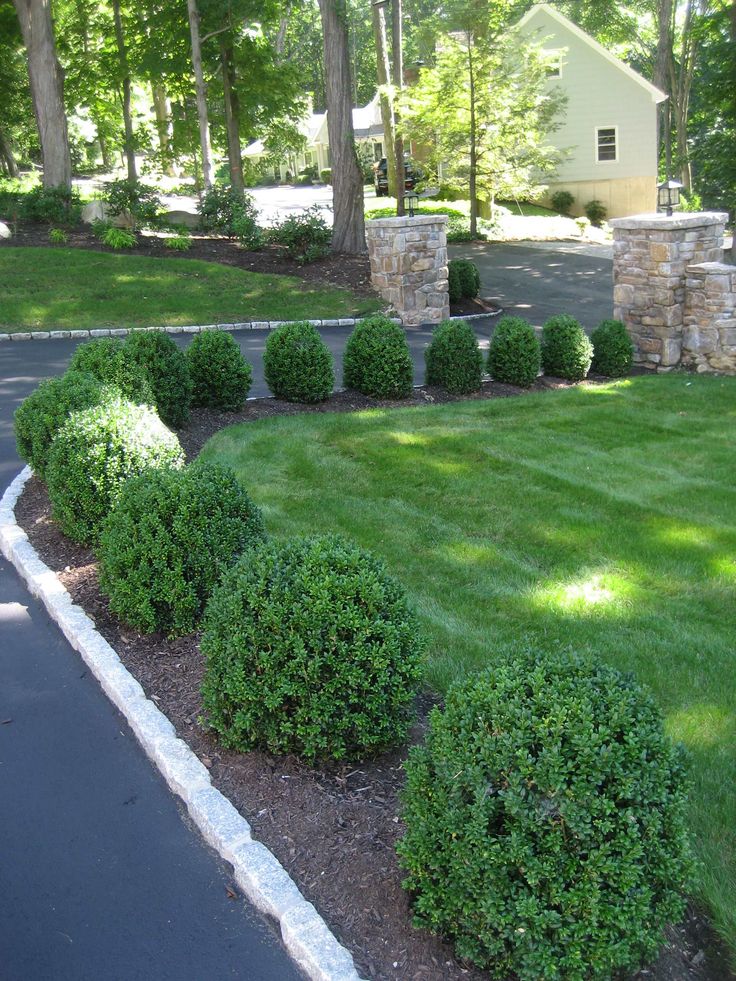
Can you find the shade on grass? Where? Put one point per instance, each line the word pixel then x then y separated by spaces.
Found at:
pixel 73 289
pixel 596 518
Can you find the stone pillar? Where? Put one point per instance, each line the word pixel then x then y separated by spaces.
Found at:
pixel 650 256
pixel 709 331
pixel 409 266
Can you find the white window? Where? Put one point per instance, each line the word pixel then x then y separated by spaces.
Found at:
pixel 606 144
pixel 554 63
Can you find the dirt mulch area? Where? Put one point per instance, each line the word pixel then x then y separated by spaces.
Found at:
pixel 334 827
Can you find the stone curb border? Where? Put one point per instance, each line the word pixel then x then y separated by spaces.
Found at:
pixel 257 872
pixel 65 335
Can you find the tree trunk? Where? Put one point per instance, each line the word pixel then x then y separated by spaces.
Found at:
pixel 201 90
pixel 47 90
pixel 161 110
pixel 383 78
pixel 473 143
pixel 662 79
pixel 6 155
pixel 232 116
pixel 129 145
pixel 348 232
pixel 397 45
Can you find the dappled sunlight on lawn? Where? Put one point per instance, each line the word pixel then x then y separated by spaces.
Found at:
pixel 704 725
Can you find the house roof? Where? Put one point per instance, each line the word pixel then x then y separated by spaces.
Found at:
pixel 656 94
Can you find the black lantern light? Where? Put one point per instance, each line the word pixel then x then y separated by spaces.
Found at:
pixel 410 204
pixel 668 196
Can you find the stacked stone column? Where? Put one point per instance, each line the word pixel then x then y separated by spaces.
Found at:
pixel 409 266
pixel 709 332
pixel 651 254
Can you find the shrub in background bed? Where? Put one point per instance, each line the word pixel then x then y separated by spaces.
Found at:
pixel 119 238
pixel 453 358
pixel 168 539
pixel 221 377
pixel 613 352
pixel 52 205
pixel 566 350
pixel 94 453
pixel 38 418
pixel 596 212
pixel 166 369
pixel 297 364
pixel 306 236
pixel 137 201
pixel 514 356
pixel 229 211
pixel 463 278
pixel 311 649
pixel 546 821
pixel 377 361
pixel 562 201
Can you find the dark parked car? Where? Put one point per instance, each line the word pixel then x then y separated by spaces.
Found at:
pixel 380 177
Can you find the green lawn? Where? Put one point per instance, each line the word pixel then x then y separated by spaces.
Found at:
pixel 72 289
pixel 596 518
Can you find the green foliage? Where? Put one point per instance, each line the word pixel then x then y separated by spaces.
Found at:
pixel 613 352
pixel 514 355
pixel 106 358
pixel 311 649
pixel 326 175
pixel 166 370
pixel 57 236
pixel 596 212
pixel 690 202
pixel 230 212
pixel 140 202
pixel 458 223
pixel 94 453
pixel 119 238
pixel 246 230
pixel 453 358
pixel 180 243
pixel 566 350
pixel 463 278
pixel 562 201
pixel 221 377
pixel 377 361
pixel 306 236
pixel 168 539
pixel 38 418
pixel 52 205
pixel 546 832
pixel 99 227
pixel 297 364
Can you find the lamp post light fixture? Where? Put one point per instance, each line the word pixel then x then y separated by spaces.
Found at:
pixel 668 196
pixel 410 204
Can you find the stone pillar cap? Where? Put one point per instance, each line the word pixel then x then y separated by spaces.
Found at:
pixel 406 221
pixel 661 221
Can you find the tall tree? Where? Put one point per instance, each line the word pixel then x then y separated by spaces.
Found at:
pixel 385 98
pixel 397 45
pixel 348 231
pixel 47 90
pixel 201 90
pixel 125 82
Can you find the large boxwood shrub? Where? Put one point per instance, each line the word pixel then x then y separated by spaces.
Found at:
pixel 463 278
pixel 453 358
pixel 106 358
pixel 545 821
pixel 613 352
pixel 221 377
pixel 167 371
pixel 377 361
pixel 94 453
pixel 167 540
pixel 566 350
pixel 311 649
pixel 514 355
pixel 38 418
pixel 297 364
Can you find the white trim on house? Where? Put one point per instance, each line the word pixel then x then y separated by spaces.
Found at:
pixel 597 144
pixel 656 94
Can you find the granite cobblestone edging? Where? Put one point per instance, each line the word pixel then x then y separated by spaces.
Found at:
pixel 258 873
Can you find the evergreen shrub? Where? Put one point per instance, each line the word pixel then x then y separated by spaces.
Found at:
pixel 167 540
pixel 305 236
pixel 298 364
pixel 613 352
pixel 311 649
pixel 514 355
pixel 546 831
pixel 453 358
pixel 165 368
pixel 221 377
pixel 377 361
pixel 106 359
pixel 463 278
pixel 566 350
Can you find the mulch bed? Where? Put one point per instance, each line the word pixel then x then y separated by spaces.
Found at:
pixel 333 827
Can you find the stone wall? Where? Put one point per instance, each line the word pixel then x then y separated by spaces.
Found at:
pixel 651 254
pixel 409 266
pixel 709 329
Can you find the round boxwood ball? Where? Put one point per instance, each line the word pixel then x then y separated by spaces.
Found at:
pixel 311 649
pixel 514 355
pixel 221 377
pixel 107 359
pixel 546 821
pixel 566 350
pixel 453 358
pixel 167 540
pixel 297 364
pixel 377 361
pixel 166 370
pixel 613 352
pixel 94 453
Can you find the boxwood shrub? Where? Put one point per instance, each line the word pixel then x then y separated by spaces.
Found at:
pixel 38 418
pixel 613 352
pixel 453 358
pixel 514 355
pixel 297 364
pixel 94 453
pixel 545 821
pixel 377 361
pixel 566 350
pixel 105 358
pixel 221 377
pixel 463 278
pixel 311 649
pixel 166 370
pixel 167 540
